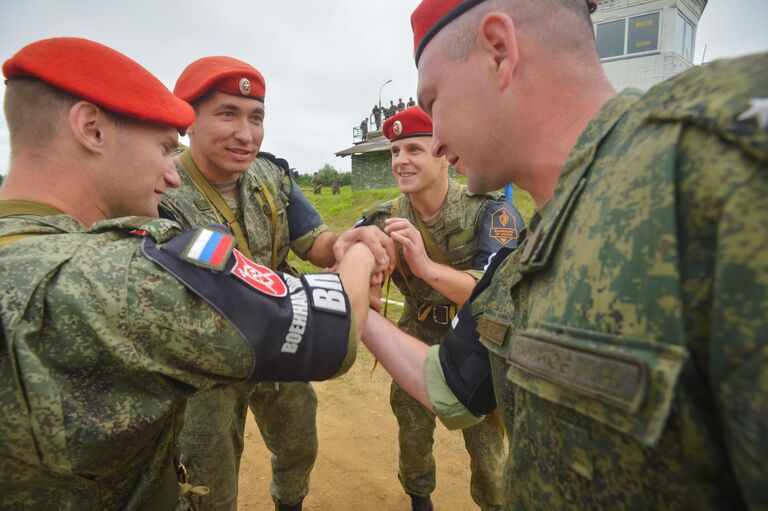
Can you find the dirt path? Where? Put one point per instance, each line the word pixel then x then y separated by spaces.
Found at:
pixel 356 467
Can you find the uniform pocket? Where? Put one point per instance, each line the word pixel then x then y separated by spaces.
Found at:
pixel 624 383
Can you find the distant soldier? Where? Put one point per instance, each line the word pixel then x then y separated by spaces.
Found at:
pixel 410 103
pixel 400 105
pixel 377 116
pixel 391 110
pixel 364 128
pixel 335 184
pixel 318 183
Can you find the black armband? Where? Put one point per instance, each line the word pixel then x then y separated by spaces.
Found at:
pixel 297 329
pixel 464 359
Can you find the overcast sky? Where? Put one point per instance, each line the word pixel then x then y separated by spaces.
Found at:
pixel 323 61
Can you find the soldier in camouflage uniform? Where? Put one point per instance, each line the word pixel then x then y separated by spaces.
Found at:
pixel 335 183
pixel 446 236
pixel 225 180
pixel 109 324
pixel 317 183
pixel 626 338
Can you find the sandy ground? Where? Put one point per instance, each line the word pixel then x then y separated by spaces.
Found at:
pixel 356 467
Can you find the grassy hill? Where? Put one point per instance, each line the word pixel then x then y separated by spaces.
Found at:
pixel 340 212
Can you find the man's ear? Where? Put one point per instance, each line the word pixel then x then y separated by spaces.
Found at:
pixel 497 40
pixel 87 123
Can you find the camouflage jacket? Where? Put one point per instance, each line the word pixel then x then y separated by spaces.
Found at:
pixel 468 230
pixel 628 333
pixel 297 223
pixel 100 348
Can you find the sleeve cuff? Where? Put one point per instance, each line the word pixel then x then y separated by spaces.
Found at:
pixel 475 274
pixel 351 347
pixel 303 244
pixel 446 406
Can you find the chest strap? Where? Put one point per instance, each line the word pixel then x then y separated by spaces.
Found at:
pixel 264 195
pixel 10 208
pixel 216 201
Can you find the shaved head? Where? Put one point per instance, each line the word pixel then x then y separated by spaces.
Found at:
pixel 560 26
pixel 34 111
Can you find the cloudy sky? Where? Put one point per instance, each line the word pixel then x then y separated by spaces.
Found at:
pixel 324 61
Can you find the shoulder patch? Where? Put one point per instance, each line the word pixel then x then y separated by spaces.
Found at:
pixel 504 226
pixel 209 248
pixel 258 277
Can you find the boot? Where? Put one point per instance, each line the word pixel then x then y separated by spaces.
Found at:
pixel 279 506
pixel 419 503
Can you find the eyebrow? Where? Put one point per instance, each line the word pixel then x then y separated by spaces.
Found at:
pixel 230 106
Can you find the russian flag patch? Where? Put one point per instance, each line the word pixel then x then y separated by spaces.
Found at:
pixel 209 249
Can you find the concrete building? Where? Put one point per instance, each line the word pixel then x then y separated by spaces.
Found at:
pixel 371 162
pixel 644 42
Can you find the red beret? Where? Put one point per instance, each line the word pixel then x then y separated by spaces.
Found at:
pixel 223 74
pixel 431 16
pixel 101 75
pixel 411 122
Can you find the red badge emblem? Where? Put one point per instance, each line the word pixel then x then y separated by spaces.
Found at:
pixel 258 277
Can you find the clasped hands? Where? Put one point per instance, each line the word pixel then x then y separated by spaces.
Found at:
pixel 381 248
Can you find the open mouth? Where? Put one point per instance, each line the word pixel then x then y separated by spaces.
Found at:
pixel 240 153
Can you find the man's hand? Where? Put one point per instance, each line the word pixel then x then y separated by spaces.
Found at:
pixel 404 232
pixel 380 245
pixel 374 295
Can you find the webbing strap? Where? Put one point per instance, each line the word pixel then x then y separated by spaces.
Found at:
pixel 433 249
pixel 264 193
pixel 10 208
pixel 24 207
pixel 216 201
pixel 7 240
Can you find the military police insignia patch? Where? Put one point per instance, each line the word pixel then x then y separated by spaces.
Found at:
pixel 245 86
pixel 501 229
pixel 209 249
pixel 397 128
pixel 258 277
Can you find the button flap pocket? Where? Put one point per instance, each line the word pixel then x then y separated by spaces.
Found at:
pixel 493 332
pixel 626 383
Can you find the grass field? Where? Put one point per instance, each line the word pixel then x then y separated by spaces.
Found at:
pixel 340 212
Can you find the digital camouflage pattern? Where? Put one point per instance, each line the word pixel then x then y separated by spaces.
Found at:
pixel 101 349
pixel 629 359
pixel 211 442
pixel 457 231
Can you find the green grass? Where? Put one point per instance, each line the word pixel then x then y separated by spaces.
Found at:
pixel 340 212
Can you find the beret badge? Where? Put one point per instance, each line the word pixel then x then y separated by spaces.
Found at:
pixel 397 128
pixel 245 86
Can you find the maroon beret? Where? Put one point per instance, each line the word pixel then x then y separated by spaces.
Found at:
pixel 223 74
pixel 431 16
pixel 101 75
pixel 411 122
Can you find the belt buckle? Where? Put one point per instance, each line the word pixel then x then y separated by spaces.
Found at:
pixel 445 309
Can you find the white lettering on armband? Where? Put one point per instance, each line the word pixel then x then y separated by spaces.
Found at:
pixel 299 322
pixel 327 292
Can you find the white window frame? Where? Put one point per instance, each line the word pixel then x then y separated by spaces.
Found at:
pixel 627 55
pixel 693 37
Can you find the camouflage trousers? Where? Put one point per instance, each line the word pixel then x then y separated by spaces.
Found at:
pixel 211 441
pixel 484 443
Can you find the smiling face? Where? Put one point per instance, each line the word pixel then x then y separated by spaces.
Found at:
pixel 226 135
pixel 415 169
